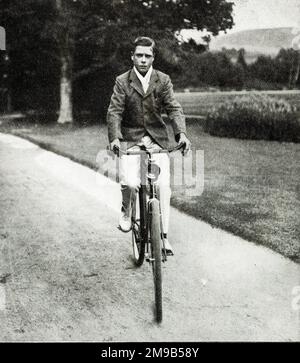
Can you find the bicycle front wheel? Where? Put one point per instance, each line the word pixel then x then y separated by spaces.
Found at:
pixel 139 229
pixel 156 256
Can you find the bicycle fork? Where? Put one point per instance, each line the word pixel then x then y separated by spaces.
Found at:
pixel 149 214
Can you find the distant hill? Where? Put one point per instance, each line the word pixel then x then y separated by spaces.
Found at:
pixel 255 42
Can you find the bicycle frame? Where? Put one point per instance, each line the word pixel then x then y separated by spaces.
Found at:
pixel 147 232
pixel 148 179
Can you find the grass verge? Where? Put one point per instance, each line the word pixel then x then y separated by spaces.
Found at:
pixel 251 187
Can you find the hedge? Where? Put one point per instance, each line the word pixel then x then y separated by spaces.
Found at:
pixel 255 117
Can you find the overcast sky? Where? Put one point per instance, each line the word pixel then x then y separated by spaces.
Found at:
pixel 253 14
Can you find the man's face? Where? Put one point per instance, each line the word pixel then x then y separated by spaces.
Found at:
pixel 143 58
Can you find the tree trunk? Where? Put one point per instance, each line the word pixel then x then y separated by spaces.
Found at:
pixel 296 65
pixel 9 106
pixel 297 69
pixel 66 108
pixel 294 71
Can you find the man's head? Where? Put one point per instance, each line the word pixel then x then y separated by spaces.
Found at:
pixel 143 54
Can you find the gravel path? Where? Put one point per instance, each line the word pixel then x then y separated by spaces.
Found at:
pixel 66 271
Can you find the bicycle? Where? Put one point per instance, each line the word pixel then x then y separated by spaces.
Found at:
pixel 147 237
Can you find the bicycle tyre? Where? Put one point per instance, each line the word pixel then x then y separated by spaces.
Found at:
pixel 139 231
pixel 156 256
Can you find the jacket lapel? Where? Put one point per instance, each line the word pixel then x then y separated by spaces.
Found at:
pixel 152 83
pixel 136 83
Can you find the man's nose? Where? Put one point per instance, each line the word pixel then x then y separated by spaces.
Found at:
pixel 144 59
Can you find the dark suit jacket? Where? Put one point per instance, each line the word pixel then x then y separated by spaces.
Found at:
pixel 133 113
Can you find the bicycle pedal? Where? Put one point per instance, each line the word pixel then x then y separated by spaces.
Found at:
pixel 148 258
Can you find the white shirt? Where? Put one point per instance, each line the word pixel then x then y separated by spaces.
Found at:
pixel 144 80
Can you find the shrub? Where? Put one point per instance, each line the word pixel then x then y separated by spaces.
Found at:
pixel 254 117
pixel 260 85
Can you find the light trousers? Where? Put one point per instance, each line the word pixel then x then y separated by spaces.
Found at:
pixel 130 179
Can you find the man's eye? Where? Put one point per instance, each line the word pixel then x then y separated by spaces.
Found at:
pixel 148 56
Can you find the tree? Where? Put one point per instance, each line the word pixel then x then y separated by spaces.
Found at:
pixel 192 47
pixel 287 63
pixel 296 47
pixel 104 29
pixel 65 37
pixel 241 59
pixel 34 64
pixel 264 68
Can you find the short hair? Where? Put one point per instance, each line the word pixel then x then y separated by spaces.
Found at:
pixel 144 42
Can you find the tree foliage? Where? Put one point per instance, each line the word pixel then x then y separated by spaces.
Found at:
pixel 95 36
pixel 279 69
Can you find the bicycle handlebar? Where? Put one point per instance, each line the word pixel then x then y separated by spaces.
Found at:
pixel 118 151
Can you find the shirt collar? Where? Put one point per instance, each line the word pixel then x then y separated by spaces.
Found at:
pixel 146 77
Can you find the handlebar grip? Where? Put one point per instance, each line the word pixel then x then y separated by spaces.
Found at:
pixel 116 149
pixel 178 147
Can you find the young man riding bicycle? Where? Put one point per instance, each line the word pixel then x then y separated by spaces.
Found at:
pixel 134 121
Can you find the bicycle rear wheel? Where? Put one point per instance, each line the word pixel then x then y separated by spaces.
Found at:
pixel 139 229
pixel 156 256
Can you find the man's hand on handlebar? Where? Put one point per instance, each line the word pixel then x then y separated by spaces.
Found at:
pixel 184 140
pixel 115 146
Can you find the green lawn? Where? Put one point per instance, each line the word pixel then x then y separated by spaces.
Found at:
pixel 199 103
pixel 251 187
